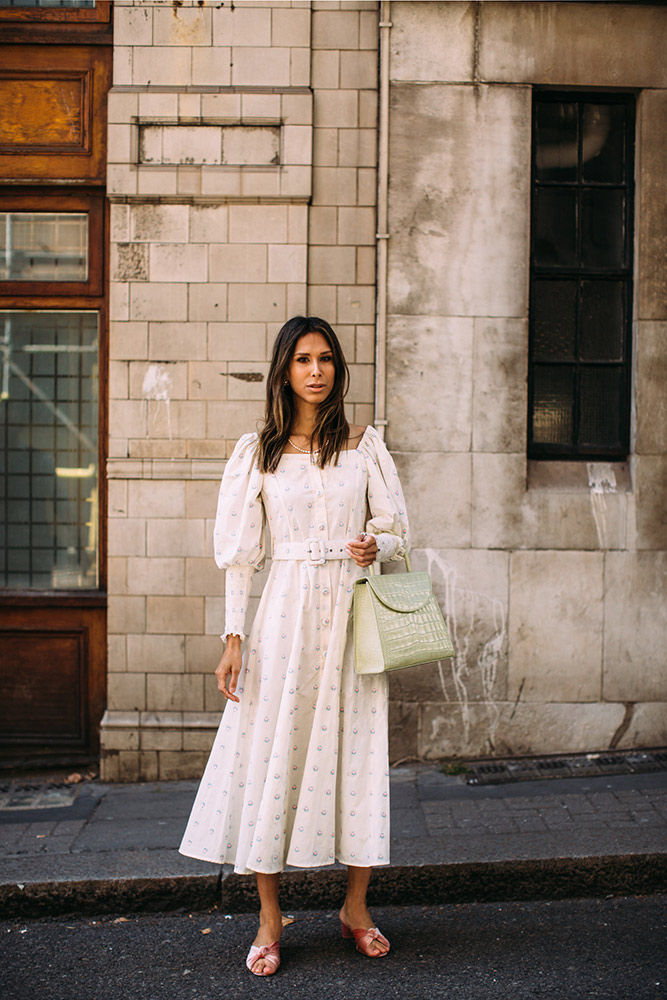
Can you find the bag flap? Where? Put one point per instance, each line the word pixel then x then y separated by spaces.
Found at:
pixel 402 591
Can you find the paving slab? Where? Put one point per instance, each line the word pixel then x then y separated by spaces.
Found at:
pixel 109 848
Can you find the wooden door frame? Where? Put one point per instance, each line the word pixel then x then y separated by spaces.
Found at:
pixel 32 186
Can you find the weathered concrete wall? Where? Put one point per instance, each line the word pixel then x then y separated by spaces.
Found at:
pixel 555 593
pixel 242 192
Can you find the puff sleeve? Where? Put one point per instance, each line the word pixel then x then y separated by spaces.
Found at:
pixel 388 517
pixel 239 534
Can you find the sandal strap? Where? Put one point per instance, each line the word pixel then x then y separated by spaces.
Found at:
pixel 364 939
pixel 270 953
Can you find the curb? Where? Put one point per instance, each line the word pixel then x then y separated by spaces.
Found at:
pixel 89 897
pixel 499 881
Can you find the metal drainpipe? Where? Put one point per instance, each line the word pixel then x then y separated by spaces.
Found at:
pixel 382 236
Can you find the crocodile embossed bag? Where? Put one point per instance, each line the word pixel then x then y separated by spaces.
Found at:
pixel 397 623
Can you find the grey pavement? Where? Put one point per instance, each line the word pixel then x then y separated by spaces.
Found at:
pixel 108 848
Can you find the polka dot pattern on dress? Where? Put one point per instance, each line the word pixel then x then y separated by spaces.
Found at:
pixel 278 791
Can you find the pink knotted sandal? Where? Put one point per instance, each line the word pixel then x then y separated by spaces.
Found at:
pixel 271 955
pixel 364 939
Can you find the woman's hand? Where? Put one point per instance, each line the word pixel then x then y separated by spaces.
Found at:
pixel 363 549
pixel 229 667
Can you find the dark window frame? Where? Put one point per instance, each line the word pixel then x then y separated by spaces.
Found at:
pixel 579 273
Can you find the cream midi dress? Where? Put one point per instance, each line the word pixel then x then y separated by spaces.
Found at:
pixel 298 773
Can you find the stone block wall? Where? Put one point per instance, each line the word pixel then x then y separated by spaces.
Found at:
pixel 242 183
pixel 554 591
pixel 242 180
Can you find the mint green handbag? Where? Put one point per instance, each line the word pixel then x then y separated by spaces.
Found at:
pixel 397 623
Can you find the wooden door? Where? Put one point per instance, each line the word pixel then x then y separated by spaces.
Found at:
pixel 52 382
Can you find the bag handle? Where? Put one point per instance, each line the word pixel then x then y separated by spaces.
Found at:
pixel 375 570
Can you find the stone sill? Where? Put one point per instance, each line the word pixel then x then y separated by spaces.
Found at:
pixel 227 169
pixel 192 199
pixel 219 120
pixel 147 746
pixel 578 477
pixel 203 88
pixel 160 720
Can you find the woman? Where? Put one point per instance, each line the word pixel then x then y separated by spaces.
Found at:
pixel 298 772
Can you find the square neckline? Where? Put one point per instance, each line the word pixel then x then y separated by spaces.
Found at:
pixel 344 451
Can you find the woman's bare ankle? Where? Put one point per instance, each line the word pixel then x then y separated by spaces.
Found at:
pixel 355 914
pixel 270 927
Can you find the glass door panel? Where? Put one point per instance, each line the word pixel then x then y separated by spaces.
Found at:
pixel 43 246
pixel 49 375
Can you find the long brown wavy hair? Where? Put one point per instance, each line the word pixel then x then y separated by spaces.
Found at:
pixel 331 427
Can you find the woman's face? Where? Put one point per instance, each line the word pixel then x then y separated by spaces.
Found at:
pixel 311 371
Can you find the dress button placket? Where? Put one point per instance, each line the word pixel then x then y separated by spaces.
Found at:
pixel 321 520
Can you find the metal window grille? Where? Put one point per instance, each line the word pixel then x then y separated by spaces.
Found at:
pixel 581 275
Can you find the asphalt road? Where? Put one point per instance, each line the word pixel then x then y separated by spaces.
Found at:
pixel 614 949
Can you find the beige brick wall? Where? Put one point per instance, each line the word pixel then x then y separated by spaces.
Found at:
pixel 242 176
pixel 212 249
pixel 341 238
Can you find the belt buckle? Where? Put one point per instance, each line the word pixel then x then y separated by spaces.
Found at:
pixel 317 551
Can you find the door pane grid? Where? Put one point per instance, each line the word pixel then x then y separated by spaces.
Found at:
pixel 43 246
pixel 48 461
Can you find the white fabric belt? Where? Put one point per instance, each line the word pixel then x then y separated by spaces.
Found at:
pixel 315 551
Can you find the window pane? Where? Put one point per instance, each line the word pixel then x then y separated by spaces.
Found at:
pixel 603 143
pixel 48 456
pixel 602 228
pixel 555 239
pixel 600 393
pixel 41 246
pixel 556 146
pixel 601 321
pixel 553 399
pixel 554 320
